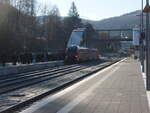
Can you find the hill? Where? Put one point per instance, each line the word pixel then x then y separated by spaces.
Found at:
pixel 128 20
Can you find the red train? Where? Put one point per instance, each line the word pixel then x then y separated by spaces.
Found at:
pixel 75 54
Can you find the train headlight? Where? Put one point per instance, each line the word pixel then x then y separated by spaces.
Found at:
pixel 76 56
pixel 66 57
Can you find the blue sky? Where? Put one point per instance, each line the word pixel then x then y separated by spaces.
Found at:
pixel 96 9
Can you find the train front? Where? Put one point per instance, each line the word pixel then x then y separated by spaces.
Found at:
pixel 75 41
pixel 72 55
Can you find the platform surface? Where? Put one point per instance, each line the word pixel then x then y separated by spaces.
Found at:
pixel 117 89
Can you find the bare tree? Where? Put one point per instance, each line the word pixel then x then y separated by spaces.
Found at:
pixel 55 29
pixel 25 20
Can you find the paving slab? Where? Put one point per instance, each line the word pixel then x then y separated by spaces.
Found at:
pixel 116 89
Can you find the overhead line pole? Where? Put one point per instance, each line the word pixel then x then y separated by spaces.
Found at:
pixel 147 10
pixel 142 22
pixel 142 43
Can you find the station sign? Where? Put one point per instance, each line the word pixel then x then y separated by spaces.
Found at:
pixel 136 36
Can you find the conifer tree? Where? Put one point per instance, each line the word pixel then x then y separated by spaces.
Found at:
pixel 71 22
pixel 73 12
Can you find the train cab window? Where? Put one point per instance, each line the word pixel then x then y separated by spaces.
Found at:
pixel 75 38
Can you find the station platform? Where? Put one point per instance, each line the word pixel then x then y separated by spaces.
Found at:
pixel 116 89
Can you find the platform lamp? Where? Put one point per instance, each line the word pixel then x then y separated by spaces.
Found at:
pixel 147 11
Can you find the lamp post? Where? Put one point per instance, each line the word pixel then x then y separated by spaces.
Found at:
pixel 147 11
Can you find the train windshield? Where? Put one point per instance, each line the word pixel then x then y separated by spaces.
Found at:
pixel 75 38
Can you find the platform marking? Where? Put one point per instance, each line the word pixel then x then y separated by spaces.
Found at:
pixel 49 99
pixel 147 92
pixel 82 96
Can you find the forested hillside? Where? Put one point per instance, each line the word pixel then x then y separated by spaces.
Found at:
pixel 128 20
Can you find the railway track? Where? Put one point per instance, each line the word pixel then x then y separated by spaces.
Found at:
pixel 17 82
pixel 5 77
pixel 39 77
pixel 29 75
